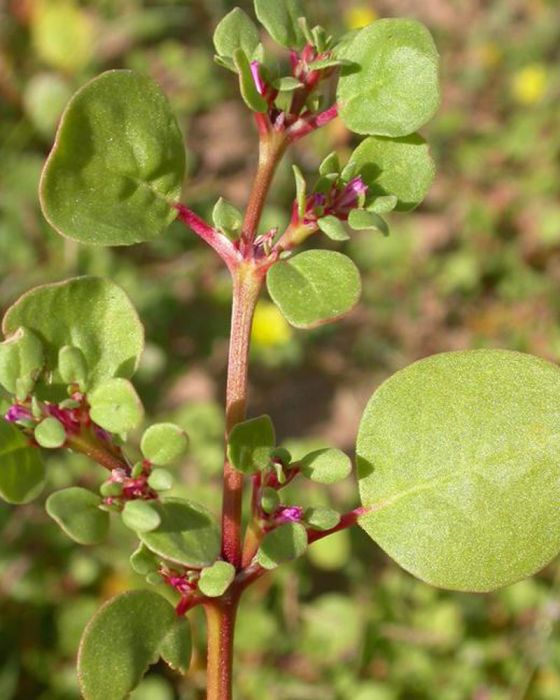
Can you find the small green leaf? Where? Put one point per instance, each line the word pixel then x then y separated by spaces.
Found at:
pixel 458 461
pixel 252 97
pixel 333 228
pixel 227 219
pixel 77 512
pixel 160 480
pixel 22 473
pixel 401 167
pixel 286 84
pixel 115 406
pixel 270 500
pixel 21 356
pixel 280 19
pixel 396 87
pixel 50 433
pixel 141 516
pixel 187 534
pixel 117 164
pixel 163 443
pixel 314 287
pixel 72 365
pixel 250 443
pixel 330 165
pixel 283 544
pixel 321 518
pixel 90 313
pixel 216 579
pixel 384 204
pixel 127 635
pixel 143 561
pixel 301 188
pixel 326 466
pixel 236 31
pixel 360 220
pixel 323 63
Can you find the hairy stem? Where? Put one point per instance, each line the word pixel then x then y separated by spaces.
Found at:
pixel 220 619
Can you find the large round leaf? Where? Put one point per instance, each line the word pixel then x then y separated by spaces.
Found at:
pixel 458 458
pixel 392 88
pixel 126 636
pixel 22 473
pixel 89 313
pixel 117 163
pixel 314 287
pixel 403 167
pixel 187 533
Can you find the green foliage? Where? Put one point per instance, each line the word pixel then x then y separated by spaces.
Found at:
pixel 72 366
pixel 227 218
pixel 22 473
pixel 333 228
pixel 250 443
pixel 160 480
pixel 282 544
pixel 321 518
pixel 127 635
pixel 314 287
pixel 280 20
pixel 391 88
pixel 252 97
pixel 360 220
pixel 50 433
pixel 117 165
pixel 326 466
pixel 457 456
pixel 89 313
pixel 236 31
pixel 141 516
pixel 115 405
pixel 163 443
pixel 21 357
pixel 77 512
pixel 216 579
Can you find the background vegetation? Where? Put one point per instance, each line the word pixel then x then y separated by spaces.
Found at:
pixel 477 265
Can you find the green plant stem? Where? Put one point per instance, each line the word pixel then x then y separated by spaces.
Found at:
pixel 220 620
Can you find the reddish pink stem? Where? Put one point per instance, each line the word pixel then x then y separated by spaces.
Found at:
pixel 347 520
pixel 222 245
pixel 306 125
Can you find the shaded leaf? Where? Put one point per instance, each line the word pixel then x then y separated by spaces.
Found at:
pixel 247 86
pixel 77 512
pixel 21 356
pixel 141 516
pixel 250 443
pixel 282 544
pixel 115 406
pixel 22 473
pixel 326 466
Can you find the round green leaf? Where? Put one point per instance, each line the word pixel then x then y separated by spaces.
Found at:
pixel 333 227
pixel 280 20
pixel 50 433
pixel 314 287
pixel 163 443
pixel 458 460
pixel 360 220
pixel 402 167
pixel 236 31
pixel 187 534
pixel 283 544
pixel 216 579
pixel 89 313
pixel 72 365
pixel 115 406
pixel 160 480
pixel 77 512
pixel 22 473
pixel 321 518
pixel 143 561
pixel 326 466
pixel 21 356
pixel 141 516
pixel 250 443
pixel 126 636
pixel 117 164
pixel 393 87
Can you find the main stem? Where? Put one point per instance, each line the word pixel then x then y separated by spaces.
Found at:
pixel 220 621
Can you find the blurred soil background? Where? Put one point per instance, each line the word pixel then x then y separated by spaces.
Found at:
pixel 477 265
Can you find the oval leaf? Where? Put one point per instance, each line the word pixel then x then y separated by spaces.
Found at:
pixel 140 516
pixel 117 164
pixel 326 466
pixel 22 473
pixel 236 31
pixel 115 406
pixel 187 534
pixel 458 460
pixel 314 287
pixel 280 20
pixel 283 544
pixel 21 356
pixel 163 443
pixel 77 512
pixel 89 313
pixel 250 443
pixel 126 636
pixel 396 87
pixel 216 579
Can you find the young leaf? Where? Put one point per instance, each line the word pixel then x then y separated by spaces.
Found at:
pixel 286 84
pixel 72 365
pixel 395 89
pixel 326 466
pixel 22 473
pixel 117 164
pixel 124 638
pixel 314 287
pixel 458 461
pixel 384 204
pixel 280 19
pixel 163 443
pixel 160 480
pixel 360 220
pixel 321 518
pixel 333 228
pixel 90 313
pixel 250 443
pixel 301 188
pixel 187 534
pixel 270 500
pixel 21 355
pixel 236 31
pixel 141 516
pixel 50 433
pixel 77 512
pixel 216 579
pixel 401 167
pixel 227 218
pixel 282 544
pixel 115 406
pixel 330 165
pixel 143 561
pixel 247 86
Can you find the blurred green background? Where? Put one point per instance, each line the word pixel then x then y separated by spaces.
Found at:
pixel 477 265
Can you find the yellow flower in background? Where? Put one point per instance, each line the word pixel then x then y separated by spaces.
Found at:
pixel 359 16
pixel 270 328
pixel 529 84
